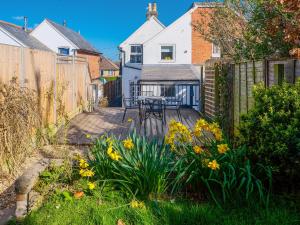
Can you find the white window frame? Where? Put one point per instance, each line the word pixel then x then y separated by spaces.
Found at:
pixel 215 54
pixel 174 53
pixel 136 54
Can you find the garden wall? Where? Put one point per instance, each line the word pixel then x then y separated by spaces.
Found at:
pixel 61 83
pixel 236 94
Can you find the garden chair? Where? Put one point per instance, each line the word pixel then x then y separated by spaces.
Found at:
pixel 174 104
pixel 129 103
pixel 153 108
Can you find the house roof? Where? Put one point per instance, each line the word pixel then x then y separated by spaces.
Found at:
pixel 22 36
pixel 74 37
pixel 179 72
pixel 207 4
pixel 106 64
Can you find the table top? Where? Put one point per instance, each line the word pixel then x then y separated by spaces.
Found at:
pixel 141 98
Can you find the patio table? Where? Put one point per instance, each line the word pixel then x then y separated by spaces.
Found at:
pixel 151 111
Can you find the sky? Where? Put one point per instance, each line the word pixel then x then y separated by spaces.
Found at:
pixel 104 23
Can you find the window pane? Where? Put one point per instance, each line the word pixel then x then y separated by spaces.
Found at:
pixel 167 52
pixel 63 51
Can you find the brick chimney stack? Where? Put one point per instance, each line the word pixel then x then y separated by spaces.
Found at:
pixel 152 10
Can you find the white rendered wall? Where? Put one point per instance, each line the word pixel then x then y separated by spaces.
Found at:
pixel 46 34
pixel 7 40
pixel 148 30
pixel 178 34
pixel 129 75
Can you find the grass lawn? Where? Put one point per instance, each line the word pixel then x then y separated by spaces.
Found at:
pixel 95 210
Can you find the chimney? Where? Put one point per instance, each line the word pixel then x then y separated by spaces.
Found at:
pixel 25 23
pixel 65 23
pixel 152 10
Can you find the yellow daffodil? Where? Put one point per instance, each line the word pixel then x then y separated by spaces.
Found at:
pixel 213 165
pixel 83 164
pixel 177 134
pixel 129 120
pixel 110 150
pixel 223 148
pixel 86 173
pixel 128 143
pixel 91 185
pixel 198 149
pixel 88 136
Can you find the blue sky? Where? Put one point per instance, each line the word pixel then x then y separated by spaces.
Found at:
pixel 105 23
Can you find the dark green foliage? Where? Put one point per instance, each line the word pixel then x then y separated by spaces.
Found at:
pixel 271 129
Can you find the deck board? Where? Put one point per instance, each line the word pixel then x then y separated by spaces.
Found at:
pixel 109 120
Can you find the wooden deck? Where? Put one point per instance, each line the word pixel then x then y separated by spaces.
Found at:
pixel 87 127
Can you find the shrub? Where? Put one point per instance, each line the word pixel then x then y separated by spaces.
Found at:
pixel 271 129
pixel 136 166
pixel 20 117
pixel 205 159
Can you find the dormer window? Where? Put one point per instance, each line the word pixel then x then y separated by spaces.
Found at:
pixel 136 54
pixel 64 51
pixel 167 52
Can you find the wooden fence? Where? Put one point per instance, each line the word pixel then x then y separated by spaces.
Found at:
pixel 239 80
pixel 112 90
pixel 61 83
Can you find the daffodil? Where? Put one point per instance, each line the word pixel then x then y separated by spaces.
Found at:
pixel 88 136
pixel 86 173
pixel 137 204
pixel 198 149
pixel 91 185
pixel 223 148
pixel 128 143
pixel 213 165
pixel 83 164
pixel 129 120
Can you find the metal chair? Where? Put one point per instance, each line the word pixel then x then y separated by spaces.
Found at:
pixel 174 104
pixel 153 108
pixel 129 103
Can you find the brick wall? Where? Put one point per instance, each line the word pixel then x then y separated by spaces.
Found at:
pixel 201 49
pixel 93 61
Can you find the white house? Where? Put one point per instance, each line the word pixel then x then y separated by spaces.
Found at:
pixel 11 34
pixel 165 61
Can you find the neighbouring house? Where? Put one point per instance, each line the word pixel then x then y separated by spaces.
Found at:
pixel 66 42
pixel 11 34
pixel 108 68
pixel 167 60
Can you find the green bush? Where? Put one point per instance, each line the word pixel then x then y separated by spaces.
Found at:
pixel 271 129
pixel 136 166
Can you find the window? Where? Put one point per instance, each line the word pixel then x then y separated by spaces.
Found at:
pixel 168 91
pixel 136 54
pixel 64 51
pixel 216 52
pixel 167 53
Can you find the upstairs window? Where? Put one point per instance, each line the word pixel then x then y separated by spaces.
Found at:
pixel 64 51
pixel 167 53
pixel 136 54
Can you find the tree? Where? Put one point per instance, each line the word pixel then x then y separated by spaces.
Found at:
pixel 254 29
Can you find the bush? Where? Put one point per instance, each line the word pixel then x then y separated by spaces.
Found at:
pixel 19 119
pixel 271 129
pixel 205 160
pixel 136 166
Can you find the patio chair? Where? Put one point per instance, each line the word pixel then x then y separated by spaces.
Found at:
pixel 174 104
pixel 129 103
pixel 153 108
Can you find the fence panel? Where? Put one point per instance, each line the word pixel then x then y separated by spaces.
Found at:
pixel 62 85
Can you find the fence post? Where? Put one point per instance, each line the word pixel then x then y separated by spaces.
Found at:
pixel 73 83
pixel 55 90
pixel 22 68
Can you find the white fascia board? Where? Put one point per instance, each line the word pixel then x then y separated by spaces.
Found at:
pixel 13 37
pixel 172 24
pixel 141 27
